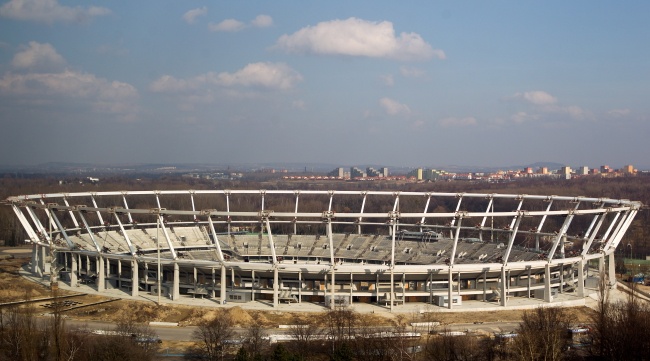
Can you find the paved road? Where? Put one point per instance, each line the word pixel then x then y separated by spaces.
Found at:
pixel 185 333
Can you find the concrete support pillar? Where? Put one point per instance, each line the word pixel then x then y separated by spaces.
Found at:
pixel 176 283
pixel 146 277
pixel 35 268
pixel 135 278
pixel 43 259
pixel 537 242
pixel 299 286
pixel 547 283
pixel 101 274
pixel 504 287
pixel 275 287
pixel 253 286
pixel 484 286
pixel 581 278
pixel 87 265
pixel 459 284
pixel 214 283
pixel 119 274
pixel 612 271
pixel 392 289
pixel 450 286
pixel 222 287
pixel 74 269
pixel 529 282
pixel 561 278
pixel 333 289
pixel 351 286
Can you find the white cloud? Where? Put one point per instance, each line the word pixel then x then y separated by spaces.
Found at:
pixel 298 104
pixel 536 97
pixel 191 15
pixel 393 107
pixel 229 25
pixel 457 122
pixel 262 21
pixel 618 112
pixel 105 95
pixel 357 37
pixel 41 56
pixel 49 11
pixel 276 76
pixel 388 79
pixel 410 72
pixel 522 117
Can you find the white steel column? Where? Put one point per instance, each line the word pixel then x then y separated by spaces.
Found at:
pixel 612 271
pixel 135 278
pixel 222 287
pixel 175 285
pixel 73 270
pixel 504 287
pixel 547 283
pixel 581 278
pixel 275 287
pixel 101 275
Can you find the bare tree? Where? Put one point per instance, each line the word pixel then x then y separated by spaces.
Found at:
pixel 212 336
pixel 542 335
pixel 304 333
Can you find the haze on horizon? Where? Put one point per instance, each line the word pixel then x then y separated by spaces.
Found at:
pixel 409 84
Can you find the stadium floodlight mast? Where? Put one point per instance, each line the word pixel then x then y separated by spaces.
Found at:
pixel 386 247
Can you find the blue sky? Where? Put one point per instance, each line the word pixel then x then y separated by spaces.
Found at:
pixel 418 83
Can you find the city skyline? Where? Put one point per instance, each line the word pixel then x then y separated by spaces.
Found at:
pixel 420 84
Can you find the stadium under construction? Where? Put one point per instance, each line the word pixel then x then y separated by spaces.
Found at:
pixel 330 247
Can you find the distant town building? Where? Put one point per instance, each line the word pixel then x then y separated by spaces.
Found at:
pixel 357 173
pixel 542 170
pixel 381 173
pixel 605 169
pixel 337 172
pixel 584 170
pixel 628 169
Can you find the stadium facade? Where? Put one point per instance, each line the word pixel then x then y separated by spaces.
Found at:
pixel 332 247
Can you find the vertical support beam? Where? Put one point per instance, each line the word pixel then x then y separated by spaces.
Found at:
pixel 295 226
pixel 101 274
pixel 169 241
pixel 450 286
pixel 43 258
pixel 215 239
pixel 581 277
pixel 35 256
pixel 135 278
pixel 547 283
pixel 222 286
pixel 587 245
pixel 426 208
pixel 529 281
pixel 146 277
pixel 253 285
pixel 561 278
pixel 489 206
pixel 299 286
pixel 275 287
pixel 119 274
pixel 333 288
pixel 74 269
pixel 504 287
pixel 392 288
pixel 214 283
pixel 351 286
pixel 363 205
pixel 612 272
pixel 484 285
pixel 176 283
pixel 126 206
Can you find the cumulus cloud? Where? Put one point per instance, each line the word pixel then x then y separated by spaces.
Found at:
pixel 536 97
pixel 49 11
pixel 262 21
pixel 42 80
pixel 234 25
pixel 357 37
pixel 393 107
pixel 410 72
pixel 38 56
pixel 105 95
pixel 388 79
pixel 618 112
pixel 191 15
pixel 228 25
pixel 274 76
pixel 457 122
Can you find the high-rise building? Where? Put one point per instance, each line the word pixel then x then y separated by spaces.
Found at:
pixel 357 173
